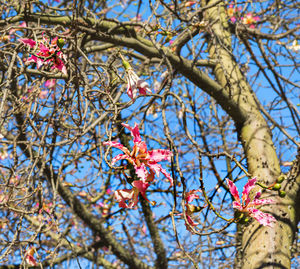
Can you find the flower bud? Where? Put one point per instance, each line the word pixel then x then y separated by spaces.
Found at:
pixel 282 193
pixel 60 43
pixel 281 178
pixel 276 187
pixel 244 220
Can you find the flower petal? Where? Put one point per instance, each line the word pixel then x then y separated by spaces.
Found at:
pixel 30 260
pixel 121 157
pixel 247 188
pixel 141 186
pixel 257 195
pixel 34 59
pixel 167 175
pixel 141 172
pixel 256 202
pixel 191 223
pixel 155 167
pixel 191 195
pixel 141 147
pixel 143 87
pixel 117 145
pixel 237 205
pixel 233 190
pixel 44 51
pixel 135 132
pixel 158 155
pixel 132 89
pixel 263 218
pixel 59 64
pixel 28 41
pixel 122 196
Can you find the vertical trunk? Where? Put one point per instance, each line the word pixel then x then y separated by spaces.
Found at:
pixel 261 247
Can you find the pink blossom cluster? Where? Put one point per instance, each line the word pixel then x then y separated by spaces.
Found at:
pixel 142 159
pixel 232 12
pixel 46 53
pixel 145 163
pixel 250 20
pixel 44 207
pixel 234 16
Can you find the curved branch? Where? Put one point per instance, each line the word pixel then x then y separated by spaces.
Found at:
pixel 122 34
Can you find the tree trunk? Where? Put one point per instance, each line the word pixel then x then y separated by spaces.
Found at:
pixel 261 247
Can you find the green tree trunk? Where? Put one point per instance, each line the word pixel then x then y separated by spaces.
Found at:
pixel 261 247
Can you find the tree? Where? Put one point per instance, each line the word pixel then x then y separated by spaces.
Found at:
pixel 208 90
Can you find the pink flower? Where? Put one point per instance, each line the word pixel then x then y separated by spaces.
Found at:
pixel 134 83
pixel 190 222
pixel 47 207
pixel 233 19
pixel 190 209
pixel 108 191
pixel 248 206
pixel 23 24
pixel 30 260
pixel 33 59
pixel 232 12
pixel 104 208
pixel 47 53
pixel 141 158
pixel 250 20
pixel 144 229
pixel 59 64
